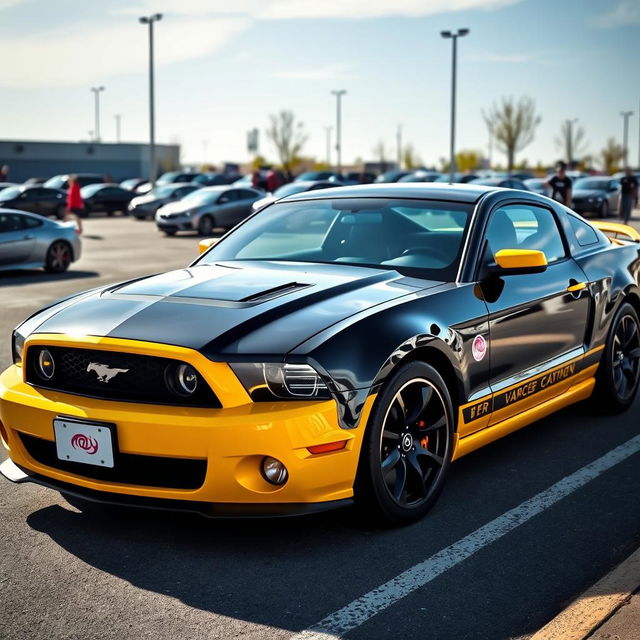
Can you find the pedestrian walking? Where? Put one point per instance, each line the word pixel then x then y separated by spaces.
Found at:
pixel 75 205
pixel 628 195
pixel 561 185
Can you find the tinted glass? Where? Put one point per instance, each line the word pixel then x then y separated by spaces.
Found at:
pixel 591 183
pixel 525 227
pixel 417 237
pixel 10 222
pixel 585 233
pixel 30 222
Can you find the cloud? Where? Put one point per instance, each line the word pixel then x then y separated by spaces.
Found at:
pixel 77 55
pixel 327 72
pixel 624 14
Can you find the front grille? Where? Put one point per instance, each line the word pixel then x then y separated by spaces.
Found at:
pixel 141 378
pixel 149 471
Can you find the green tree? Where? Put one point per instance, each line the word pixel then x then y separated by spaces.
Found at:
pixel 513 124
pixel 468 160
pixel 410 159
pixel 288 137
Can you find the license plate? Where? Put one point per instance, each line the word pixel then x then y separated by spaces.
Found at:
pixel 85 442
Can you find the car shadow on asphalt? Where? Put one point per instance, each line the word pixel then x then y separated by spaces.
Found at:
pixel 8 278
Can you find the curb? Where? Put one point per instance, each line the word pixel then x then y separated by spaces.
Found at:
pixel 585 614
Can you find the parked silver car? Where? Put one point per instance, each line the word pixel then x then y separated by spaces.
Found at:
pixel 207 208
pixel 30 241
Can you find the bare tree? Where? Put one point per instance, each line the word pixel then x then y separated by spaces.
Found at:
pixel 612 155
pixel 410 159
pixel 571 140
pixel 513 125
pixel 288 137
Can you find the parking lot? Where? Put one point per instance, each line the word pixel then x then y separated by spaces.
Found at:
pixel 464 573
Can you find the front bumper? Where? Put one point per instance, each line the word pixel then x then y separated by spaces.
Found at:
pixel 230 442
pixel 175 224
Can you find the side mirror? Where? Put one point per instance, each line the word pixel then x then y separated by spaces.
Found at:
pixel 204 245
pixel 516 261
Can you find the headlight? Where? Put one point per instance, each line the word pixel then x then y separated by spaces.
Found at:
pixel 277 381
pixel 589 199
pixel 17 347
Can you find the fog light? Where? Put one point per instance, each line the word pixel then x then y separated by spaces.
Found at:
pixel 46 365
pixel 274 471
pixel 182 379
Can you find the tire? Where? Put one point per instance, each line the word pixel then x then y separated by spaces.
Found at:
pixel 205 226
pixel 59 257
pixel 604 209
pixel 61 210
pixel 405 454
pixel 619 371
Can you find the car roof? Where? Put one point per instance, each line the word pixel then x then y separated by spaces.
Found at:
pixel 438 191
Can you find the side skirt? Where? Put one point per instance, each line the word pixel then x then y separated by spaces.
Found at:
pixel 580 391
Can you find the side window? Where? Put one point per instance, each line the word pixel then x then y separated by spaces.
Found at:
pixel 245 194
pixel 31 223
pixel 525 227
pixel 585 233
pixel 10 222
pixel 231 195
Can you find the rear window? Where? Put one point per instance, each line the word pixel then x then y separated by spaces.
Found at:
pixel 585 234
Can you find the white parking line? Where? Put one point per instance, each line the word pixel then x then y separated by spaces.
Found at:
pixel 359 611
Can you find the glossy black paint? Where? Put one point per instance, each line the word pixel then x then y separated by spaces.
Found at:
pixel 355 324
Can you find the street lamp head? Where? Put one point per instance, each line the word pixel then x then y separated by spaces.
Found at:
pixel 157 16
pixel 446 34
pixel 463 32
pixel 144 20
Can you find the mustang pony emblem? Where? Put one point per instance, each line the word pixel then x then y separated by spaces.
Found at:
pixel 104 372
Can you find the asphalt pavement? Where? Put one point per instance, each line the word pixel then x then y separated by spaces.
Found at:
pixel 523 526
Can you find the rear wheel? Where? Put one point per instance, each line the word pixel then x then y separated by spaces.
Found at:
pixel 619 372
pixel 205 226
pixel 59 257
pixel 408 446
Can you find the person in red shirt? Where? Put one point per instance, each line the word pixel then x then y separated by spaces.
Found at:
pixel 75 205
pixel 274 181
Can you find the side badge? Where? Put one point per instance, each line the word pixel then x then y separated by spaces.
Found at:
pixel 479 348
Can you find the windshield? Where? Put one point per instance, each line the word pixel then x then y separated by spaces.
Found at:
pixel 163 191
pixel 201 196
pixel 56 182
pixel 591 183
pixel 90 190
pixel 416 237
pixel 9 193
pixel 168 176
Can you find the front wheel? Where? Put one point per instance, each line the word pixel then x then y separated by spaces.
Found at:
pixel 619 372
pixel 205 226
pixel 604 209
pixel 58 257
pixel 407 447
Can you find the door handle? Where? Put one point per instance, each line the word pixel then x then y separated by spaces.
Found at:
pixel 576 286
pixel 28 237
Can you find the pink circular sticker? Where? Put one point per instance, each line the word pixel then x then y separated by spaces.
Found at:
pixel 479 348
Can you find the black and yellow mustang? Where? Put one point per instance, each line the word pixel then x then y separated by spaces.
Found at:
pixel 338 345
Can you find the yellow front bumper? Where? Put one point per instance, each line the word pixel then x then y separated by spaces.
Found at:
pixel 232 440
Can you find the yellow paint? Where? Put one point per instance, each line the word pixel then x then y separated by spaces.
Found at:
pixel 206 244
pixel 520 258
pixel 577 287
pixel 233 439
pixel 617 229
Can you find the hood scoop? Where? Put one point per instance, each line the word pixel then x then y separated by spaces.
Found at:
pixel 275 292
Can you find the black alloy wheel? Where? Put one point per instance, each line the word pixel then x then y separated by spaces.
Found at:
pixel 619 372
pixel 408 445
pixel 58 257
pixel 205 226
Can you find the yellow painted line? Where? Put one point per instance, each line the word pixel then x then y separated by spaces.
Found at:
pixel 595 605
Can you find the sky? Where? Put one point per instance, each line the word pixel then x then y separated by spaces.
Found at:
pixel 223 67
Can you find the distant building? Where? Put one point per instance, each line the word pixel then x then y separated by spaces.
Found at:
pixel 32 158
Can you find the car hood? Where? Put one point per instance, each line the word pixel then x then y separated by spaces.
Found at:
pixel 147 200
pixel 589 193
pixel 178 207
pixel 230 308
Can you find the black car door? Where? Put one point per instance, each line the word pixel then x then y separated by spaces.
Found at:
pixel 537 321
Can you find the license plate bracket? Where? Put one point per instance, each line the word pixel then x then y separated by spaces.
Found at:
pixel 86 441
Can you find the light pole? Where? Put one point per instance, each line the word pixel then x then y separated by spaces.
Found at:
pixel 452 150
pixel 338 95
pixel 569 122
pixel 328 131
pixel 625 134
pixel 96 94
pixel 399 145
pixel 152 130
pixel 118 118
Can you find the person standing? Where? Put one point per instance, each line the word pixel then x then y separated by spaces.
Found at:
pixel 4 173
pixel 560 186
pixel 628 194
pixel 75 205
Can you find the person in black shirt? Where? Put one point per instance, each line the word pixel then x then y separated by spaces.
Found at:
pixel 560 185
pixel 628 194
